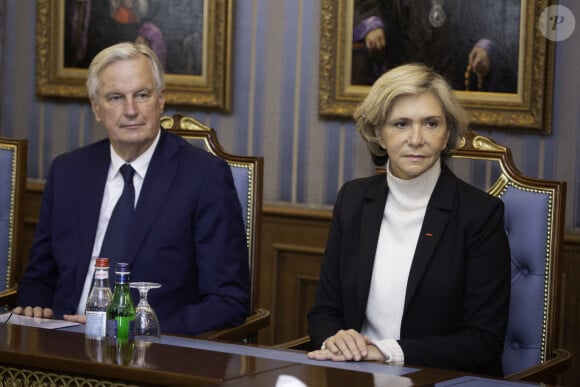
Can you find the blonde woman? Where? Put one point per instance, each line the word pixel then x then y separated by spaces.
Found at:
pixel 417 264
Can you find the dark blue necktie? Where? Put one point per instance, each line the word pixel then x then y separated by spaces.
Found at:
pixel 118 228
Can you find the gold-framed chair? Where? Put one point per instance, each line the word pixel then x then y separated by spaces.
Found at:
pixel 13 159
pixel 534 223
pixel 248 178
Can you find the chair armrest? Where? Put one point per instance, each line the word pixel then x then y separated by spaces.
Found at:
pixel 547 370
pixel 8 297
pixel 302 344
pixel 245 332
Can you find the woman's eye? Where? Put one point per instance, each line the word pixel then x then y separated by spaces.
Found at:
pixel 432 124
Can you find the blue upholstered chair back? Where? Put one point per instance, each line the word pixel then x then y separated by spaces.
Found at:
pixel 12 180
pixel 247 172
pixel 534 225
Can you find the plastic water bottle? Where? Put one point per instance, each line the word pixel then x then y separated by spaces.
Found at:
pixel 98 300
pixel 121 310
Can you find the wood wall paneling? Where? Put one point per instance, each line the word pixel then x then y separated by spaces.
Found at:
pixel 296 276
pixel 569 329
pixel 293 242
pixel 32 200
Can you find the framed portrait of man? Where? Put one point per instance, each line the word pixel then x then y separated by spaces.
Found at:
pixel 490 51
pixel 192 38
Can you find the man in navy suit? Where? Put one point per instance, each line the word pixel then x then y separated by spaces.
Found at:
pixel 187 230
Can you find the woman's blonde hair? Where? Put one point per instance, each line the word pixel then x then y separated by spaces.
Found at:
pixel 410 79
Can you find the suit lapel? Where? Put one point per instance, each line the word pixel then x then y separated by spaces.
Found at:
pixel 436 219
pixel 371 218
pixel 159 178
pixel 91 185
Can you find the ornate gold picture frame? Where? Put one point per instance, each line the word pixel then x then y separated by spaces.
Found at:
pixel 529 109
pixel 207 84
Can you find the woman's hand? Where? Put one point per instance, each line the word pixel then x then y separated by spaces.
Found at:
pixel 346 346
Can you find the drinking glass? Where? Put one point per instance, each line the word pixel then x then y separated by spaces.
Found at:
pixel 146 322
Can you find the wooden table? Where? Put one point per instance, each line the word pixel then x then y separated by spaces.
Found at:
pixel 62 358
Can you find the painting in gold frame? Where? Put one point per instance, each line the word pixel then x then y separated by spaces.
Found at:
pixel 207 85
pixel 529 109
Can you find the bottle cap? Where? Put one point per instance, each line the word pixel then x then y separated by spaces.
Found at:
pixel 102 262
pixel 122 268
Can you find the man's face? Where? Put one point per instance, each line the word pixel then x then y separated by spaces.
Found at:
pixel 129 106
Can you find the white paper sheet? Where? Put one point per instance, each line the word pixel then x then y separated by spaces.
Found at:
pixel 9 318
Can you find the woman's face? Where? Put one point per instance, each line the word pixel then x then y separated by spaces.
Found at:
pixel 415 134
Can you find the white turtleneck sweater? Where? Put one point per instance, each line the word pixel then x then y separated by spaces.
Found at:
pixel 402 220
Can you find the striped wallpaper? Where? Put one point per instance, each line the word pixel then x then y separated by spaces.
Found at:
pixel 275 87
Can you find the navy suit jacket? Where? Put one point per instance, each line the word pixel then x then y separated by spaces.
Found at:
pixel 457 297
pixel 188 235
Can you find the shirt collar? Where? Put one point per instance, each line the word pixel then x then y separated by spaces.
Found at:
pixel 140 164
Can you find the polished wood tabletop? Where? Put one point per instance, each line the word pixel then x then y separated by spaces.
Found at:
pixel 64 357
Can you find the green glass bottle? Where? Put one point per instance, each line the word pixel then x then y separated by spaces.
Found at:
pixel 121 310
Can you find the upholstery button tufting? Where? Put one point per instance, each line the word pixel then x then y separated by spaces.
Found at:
pixel 525 272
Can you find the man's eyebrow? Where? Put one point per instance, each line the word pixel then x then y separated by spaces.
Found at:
pixel 110 93
pixel 144 89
